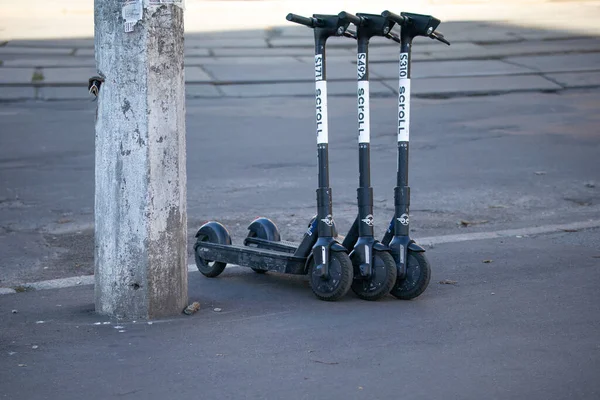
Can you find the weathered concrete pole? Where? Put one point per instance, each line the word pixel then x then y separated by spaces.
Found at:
pixel 140 211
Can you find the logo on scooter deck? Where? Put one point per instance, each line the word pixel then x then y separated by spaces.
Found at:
pixel 328 220
pixel 368 220
pixel 403 219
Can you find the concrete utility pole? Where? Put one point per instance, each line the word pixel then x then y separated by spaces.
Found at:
pixel 140 211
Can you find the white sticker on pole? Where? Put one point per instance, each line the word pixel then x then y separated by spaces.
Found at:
pixel 319 67
pixel 132 12
pixel 403 99
pixel 321 105
pixel 403 110
pixel 361 65
pixel 364 115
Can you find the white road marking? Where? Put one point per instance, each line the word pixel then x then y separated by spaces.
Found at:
pixel 536 230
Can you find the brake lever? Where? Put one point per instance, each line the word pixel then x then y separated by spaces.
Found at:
pixel 393 37
pixel 439 36
pixel 350 34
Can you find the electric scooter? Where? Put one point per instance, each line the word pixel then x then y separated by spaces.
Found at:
pixel 414 271
pixel 319 255
pixel 375 270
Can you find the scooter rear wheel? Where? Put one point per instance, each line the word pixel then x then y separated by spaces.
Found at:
pixel 339 281
pixel 382 279
pixel 209 268
pixel 418 274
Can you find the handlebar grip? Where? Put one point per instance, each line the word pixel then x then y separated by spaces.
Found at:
pixel 350 18
pixel 399 19
pixel 310 22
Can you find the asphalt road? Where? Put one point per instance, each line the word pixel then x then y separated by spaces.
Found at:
pixel 524 326
pixel 510 161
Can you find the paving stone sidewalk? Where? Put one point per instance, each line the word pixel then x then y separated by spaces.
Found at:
pixel 484 58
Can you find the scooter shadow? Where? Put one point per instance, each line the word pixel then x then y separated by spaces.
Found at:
pixel 242 282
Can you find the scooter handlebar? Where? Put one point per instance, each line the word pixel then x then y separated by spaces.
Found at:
pixel 399 19
pixel 347 17
pixel 310 21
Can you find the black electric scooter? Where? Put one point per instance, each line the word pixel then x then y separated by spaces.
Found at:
pixel 375 270
pixel 318 254
pixel 414 271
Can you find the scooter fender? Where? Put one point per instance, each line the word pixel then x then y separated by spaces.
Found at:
pixel 215 232
pixel 412 246
pixel 264 228
pixel 335 246
pixel 380 246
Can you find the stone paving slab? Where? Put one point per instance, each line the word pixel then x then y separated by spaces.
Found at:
pixel 65 93
pixel 543 46
pixel 275 60
pixel 85 52
pixel 331 42
pixel 273 72
pixel 479 33
pixel 196 74
pixel 212 43
pixel 194 91
pixel 12 93
pixel 16 75
pixel 290 51
pixel 451 28
pixel 577 79
pixel 456 32
pixel 192 34
pixel 56 76
pixel 485 51
pixel 499 32
pixel 300 89
pixel 14 50
pixel 424 50
pixel 50 62
pixel 478 85
pixel 450 68
pixel 541 34
pixel 290 31
pixel 197 52
pixel 53 43
pixel 560 63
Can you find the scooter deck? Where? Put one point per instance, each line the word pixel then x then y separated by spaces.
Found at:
pixel 252 257
pixel 281 245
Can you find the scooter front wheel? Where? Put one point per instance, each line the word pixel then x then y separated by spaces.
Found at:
pixel 382 279
pixel 418 274
pixel 339 281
